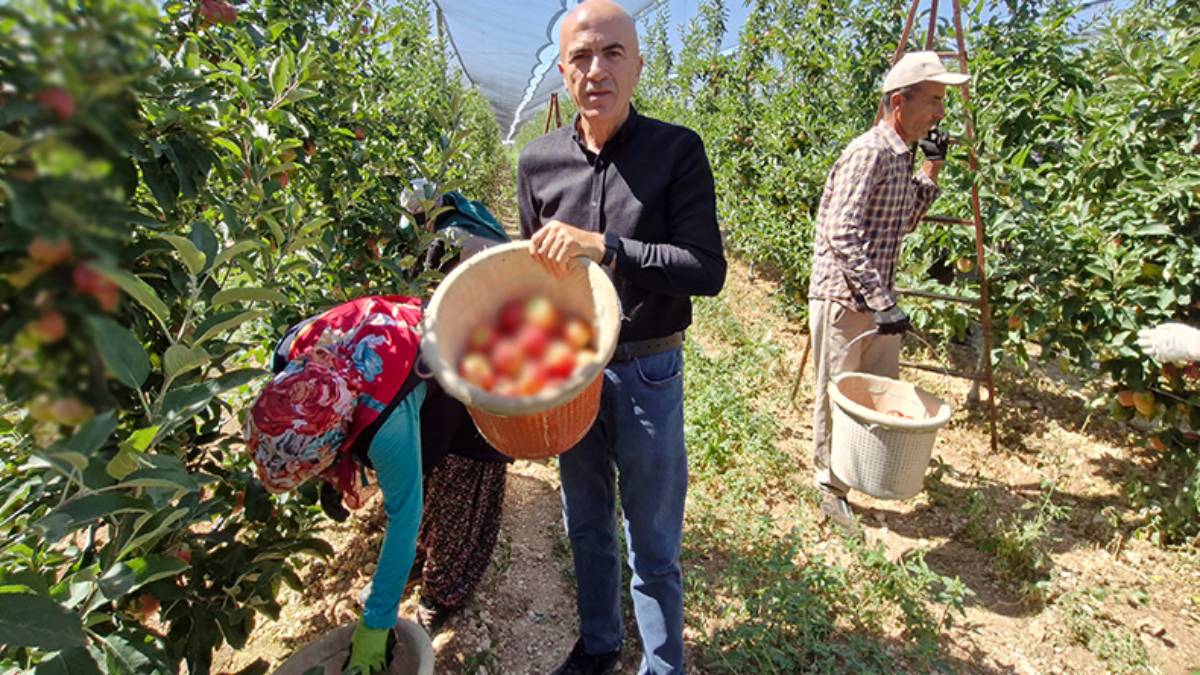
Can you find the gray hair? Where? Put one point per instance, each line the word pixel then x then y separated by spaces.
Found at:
pixel 906 92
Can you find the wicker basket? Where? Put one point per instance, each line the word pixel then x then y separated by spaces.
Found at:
pixel 527 427
pixel 413 654
pixel 883 455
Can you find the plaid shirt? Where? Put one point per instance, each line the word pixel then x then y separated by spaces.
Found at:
pixel 871 200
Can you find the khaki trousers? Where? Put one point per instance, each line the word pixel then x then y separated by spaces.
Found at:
pixel 833 327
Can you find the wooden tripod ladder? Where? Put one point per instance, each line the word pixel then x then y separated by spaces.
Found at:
pixel 976 220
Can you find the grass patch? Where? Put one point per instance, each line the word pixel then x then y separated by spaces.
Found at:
pixel 1087 625
pixel 767 592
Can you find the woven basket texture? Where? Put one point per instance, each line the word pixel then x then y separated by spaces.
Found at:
pixel 525 427
pixel 875 452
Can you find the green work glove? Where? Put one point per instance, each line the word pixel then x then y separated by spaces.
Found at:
pixel 368 649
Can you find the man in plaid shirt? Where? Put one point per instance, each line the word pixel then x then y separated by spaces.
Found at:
pixel 871 200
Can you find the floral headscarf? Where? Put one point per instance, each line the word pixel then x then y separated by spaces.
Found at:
pixel 299 421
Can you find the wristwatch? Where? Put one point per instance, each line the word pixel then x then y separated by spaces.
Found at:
pixel 611 242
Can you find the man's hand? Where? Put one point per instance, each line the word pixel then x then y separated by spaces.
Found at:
pixel 1171 342
pixel 935 145
pixel 557 243
pixel 892 321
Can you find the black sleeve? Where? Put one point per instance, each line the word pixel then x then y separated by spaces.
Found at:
pixel 692 261
pixel 526 208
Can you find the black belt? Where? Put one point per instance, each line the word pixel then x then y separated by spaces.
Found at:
pixel 635 349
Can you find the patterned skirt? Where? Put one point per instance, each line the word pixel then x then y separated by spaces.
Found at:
pixel 464 500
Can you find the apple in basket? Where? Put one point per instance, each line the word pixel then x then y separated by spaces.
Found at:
pixel 530 346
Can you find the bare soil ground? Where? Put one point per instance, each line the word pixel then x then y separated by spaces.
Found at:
pixel 1108 592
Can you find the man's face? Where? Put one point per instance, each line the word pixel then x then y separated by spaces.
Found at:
pixel 922 111
pixel 600 64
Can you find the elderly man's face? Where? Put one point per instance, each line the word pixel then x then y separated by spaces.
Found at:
pixel 600 61
pixel 922 110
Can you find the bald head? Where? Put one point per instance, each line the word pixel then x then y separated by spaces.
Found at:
pixel 600 63
pixel 598 14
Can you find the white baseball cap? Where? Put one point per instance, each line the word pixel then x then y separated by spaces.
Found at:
pixel 917 67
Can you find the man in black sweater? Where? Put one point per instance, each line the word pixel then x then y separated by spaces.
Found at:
pixel 635 195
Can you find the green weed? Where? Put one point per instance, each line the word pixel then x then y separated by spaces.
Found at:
pixel 1086 624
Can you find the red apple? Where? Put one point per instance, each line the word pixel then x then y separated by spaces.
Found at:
pixel 1144 402
pixel 184 553
pixel 506 386
pixel 50 326
pixel 476 370
pixel 217 11
pixel 559 359
pixel 90 282
pixel 58 102
pixel 532 379
pixel 541 312
pixel 147 605
pixel 482 339
pixel 70 411
pixel 359 133
pixel 47 252
pixel 1125 398
pixel 584 357
pixel 533 339
pixel 507 357
pixel 578 333
pixel 512 315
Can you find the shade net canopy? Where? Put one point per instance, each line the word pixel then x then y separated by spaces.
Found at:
pixel 509 50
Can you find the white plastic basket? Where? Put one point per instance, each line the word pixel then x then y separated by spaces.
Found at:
pixel 876 452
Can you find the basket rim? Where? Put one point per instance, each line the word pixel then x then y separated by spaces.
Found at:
pixel 516 406
pixel 869 416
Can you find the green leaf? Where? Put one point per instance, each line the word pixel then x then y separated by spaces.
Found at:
pixel 92 435
pixel 232 221
pixel 122 464
pixel 179 359
pixel 120 350
pixel 124 578
pixel 237 249
pixel 193 259
pixel 130 652
pixel 214 326
pixel 204 239
pixel 82 511
pixel 248 294
pixel 28 620
pixel 166 473
pixel 183 403
pixel 74 661
pixel 281 72
pixel 139 440
pixel 228 145
pixel 139 290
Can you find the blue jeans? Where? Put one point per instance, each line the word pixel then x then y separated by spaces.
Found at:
pixel 638 440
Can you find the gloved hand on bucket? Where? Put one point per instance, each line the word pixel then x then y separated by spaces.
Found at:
pixel 892 321
pixel 368 650
pixel 1171 342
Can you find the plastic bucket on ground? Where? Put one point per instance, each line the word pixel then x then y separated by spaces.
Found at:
pixel 413 654
pixel 874 450
pixel 527 427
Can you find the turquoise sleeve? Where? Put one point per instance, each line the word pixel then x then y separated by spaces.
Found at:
pixel 396 453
